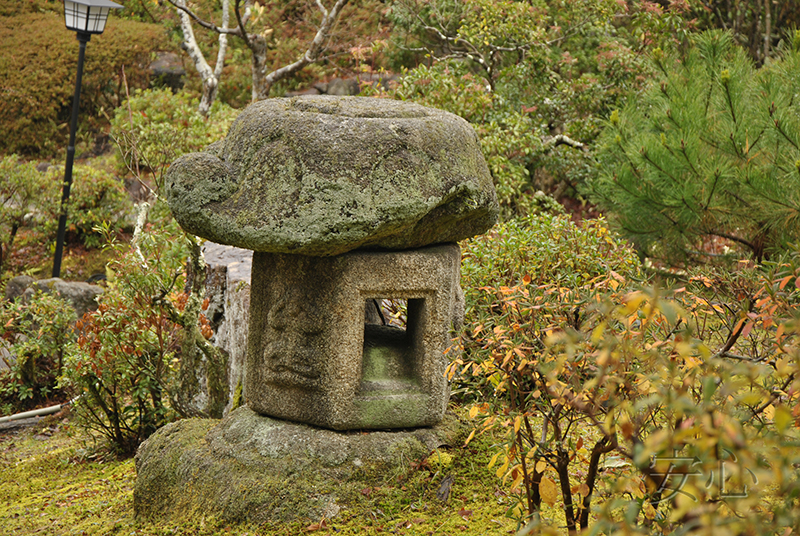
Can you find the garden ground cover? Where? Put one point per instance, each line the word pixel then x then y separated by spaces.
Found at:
pixel 54 480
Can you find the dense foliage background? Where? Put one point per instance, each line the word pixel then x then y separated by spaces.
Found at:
pixel 626 372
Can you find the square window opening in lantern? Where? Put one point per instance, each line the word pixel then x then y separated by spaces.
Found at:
pixel 392 344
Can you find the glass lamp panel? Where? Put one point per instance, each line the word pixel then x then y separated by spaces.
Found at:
pixel 76 15
pixel 88 16
pixel 96 22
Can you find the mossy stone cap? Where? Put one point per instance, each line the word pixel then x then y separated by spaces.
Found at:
pixel 325 175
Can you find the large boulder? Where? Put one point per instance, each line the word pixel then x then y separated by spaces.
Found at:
pixel 323 175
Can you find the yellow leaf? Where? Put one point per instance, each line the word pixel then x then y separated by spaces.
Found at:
pixel 548 491
pixel 473 412
pixel 597 333
pixel 634 300
pixel 639 490
pixel 509 355
pixel 541 465
pixel 502 470
pixel 493 460
pixel 471 435
pixel 517 424
pixel 649 510
pixel 644 387
pixel 782 418
pixel 691 362
pixel 517 480
pixel 750 398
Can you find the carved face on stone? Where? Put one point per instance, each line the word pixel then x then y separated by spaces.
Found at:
pixel 296 348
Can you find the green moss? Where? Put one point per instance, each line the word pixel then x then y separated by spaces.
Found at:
pixel 51 486
pixel 237 395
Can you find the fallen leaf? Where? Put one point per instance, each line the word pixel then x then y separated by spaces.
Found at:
pixel 317 526
pixel 444 489
pixel 548 491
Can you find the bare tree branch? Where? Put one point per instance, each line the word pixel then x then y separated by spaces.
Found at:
pixel 241 21
pixel 561 139
pixel 312 54
pixel 180 5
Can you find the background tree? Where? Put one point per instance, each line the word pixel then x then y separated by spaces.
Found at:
pixel 533 77
pixel 758 26
pixel 209 76
pixel 709 156
pixel 247 15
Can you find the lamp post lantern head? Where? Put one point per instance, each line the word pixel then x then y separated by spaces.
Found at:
pixel 87 16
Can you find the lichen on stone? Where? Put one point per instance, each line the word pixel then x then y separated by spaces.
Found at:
pixel 325 175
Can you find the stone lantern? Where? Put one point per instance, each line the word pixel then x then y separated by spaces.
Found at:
pixel 343 200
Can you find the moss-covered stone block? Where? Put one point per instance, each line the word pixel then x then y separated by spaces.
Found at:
pixel 251 468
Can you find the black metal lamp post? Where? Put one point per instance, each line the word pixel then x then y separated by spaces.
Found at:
pixel 86 17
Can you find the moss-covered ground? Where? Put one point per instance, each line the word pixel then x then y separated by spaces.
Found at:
pixel 55 480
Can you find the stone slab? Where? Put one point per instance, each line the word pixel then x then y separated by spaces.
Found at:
pixel 230 270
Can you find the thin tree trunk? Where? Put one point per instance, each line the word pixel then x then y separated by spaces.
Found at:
pixel 258 47
pixel 767 29
pixel 310 56
pixel 209 76
pixel 223 43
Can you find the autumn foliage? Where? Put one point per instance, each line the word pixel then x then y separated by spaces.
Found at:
pixel 636 410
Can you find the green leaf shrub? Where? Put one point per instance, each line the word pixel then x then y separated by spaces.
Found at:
pixel 35 338
pixel 548 248
pixel 38 66
pixel 544 250
pixel 32 199
pixel 155 126
pixel 127 350
pixel 96 198
pixel 138 357
pixel 707 161
pixel 24 192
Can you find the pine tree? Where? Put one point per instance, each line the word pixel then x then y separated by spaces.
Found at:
pixel 709 155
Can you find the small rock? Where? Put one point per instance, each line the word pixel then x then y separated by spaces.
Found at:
pixel 82 296
pixel 167 70
pixel 16 286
